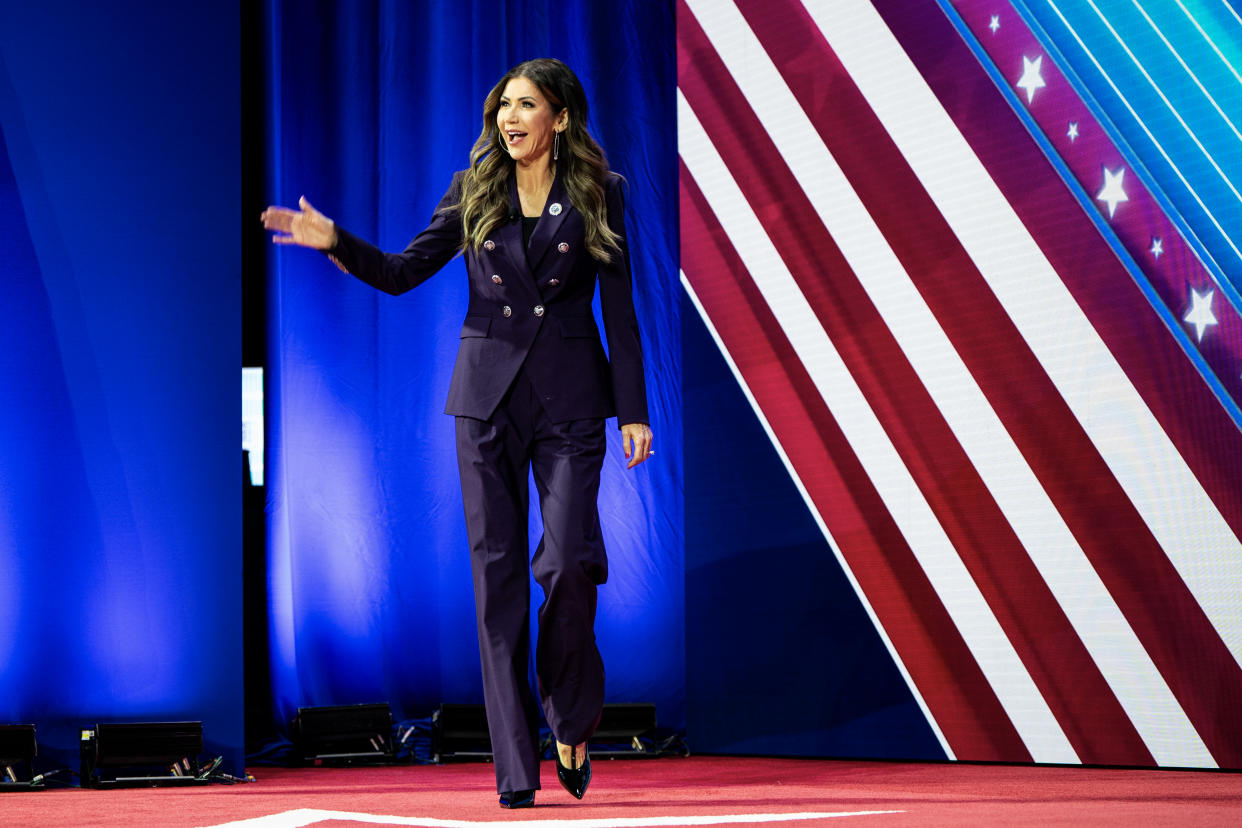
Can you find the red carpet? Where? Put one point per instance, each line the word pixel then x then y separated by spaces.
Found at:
pixel 694 791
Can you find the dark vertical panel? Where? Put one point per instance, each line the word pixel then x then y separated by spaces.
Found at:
pixel 121 527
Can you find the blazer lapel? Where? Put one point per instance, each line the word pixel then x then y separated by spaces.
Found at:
pixel 509 235
pixel 511 231
pixel 555 211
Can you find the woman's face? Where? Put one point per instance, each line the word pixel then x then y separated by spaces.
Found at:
pixel 526 121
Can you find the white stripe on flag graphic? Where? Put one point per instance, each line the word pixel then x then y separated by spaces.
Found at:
pixel 1084 598
pixel 1154 476
pixel 967 607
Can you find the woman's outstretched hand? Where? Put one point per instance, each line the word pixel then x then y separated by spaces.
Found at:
pixel 636 441
pixel 305 226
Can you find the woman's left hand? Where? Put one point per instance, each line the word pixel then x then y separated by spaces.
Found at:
pixel 636 442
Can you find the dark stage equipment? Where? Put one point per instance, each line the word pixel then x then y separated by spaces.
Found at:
pixel 17 752
pixel 344 734
pixel 143 754
pixel 621 728
pixel 459 731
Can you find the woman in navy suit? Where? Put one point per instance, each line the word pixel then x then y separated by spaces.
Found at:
pixel 540 221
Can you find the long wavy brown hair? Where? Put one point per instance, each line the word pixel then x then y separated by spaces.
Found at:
pixel 484 203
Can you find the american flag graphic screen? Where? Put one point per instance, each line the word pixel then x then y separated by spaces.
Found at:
pixel 1000 362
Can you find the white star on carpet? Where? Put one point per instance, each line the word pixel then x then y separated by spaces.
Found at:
pixel 1157 247
pixel 1200 314
pixel 1031 79
pixel 1113 193
pixel 994 24
pixel 1072 132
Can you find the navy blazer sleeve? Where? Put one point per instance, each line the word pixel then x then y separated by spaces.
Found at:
pixel 426 253
pixel 616 294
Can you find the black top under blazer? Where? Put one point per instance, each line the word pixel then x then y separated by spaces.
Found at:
pixel 529 307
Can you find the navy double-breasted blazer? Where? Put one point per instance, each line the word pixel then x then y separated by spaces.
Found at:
pixel 528 306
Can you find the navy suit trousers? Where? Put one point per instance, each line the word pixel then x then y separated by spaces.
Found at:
pixel 495 458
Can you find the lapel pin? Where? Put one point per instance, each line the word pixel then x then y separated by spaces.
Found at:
pixel 489 245
pixel 563 247
pixel 555 209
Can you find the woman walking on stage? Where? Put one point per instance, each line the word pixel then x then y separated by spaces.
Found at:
pixel 539 219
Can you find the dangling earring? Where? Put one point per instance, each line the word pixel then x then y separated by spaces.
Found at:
pixel 556 146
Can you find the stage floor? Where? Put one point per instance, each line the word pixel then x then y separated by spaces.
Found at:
pixel 700 790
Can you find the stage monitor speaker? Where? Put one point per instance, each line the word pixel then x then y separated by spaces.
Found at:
pixel 17 752
pixel 620 729
pixel 142 754
pixel 623 722
pixel 344 734
pixel 459 731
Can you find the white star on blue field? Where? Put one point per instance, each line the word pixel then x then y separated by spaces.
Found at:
pixel 1113 193
pixel 1200 314
pixel 1031 79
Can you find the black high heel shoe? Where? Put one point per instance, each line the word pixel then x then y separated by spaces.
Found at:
pixel 517 799
pixel 574 780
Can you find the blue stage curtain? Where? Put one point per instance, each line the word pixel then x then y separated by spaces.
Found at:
pixel 373 105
